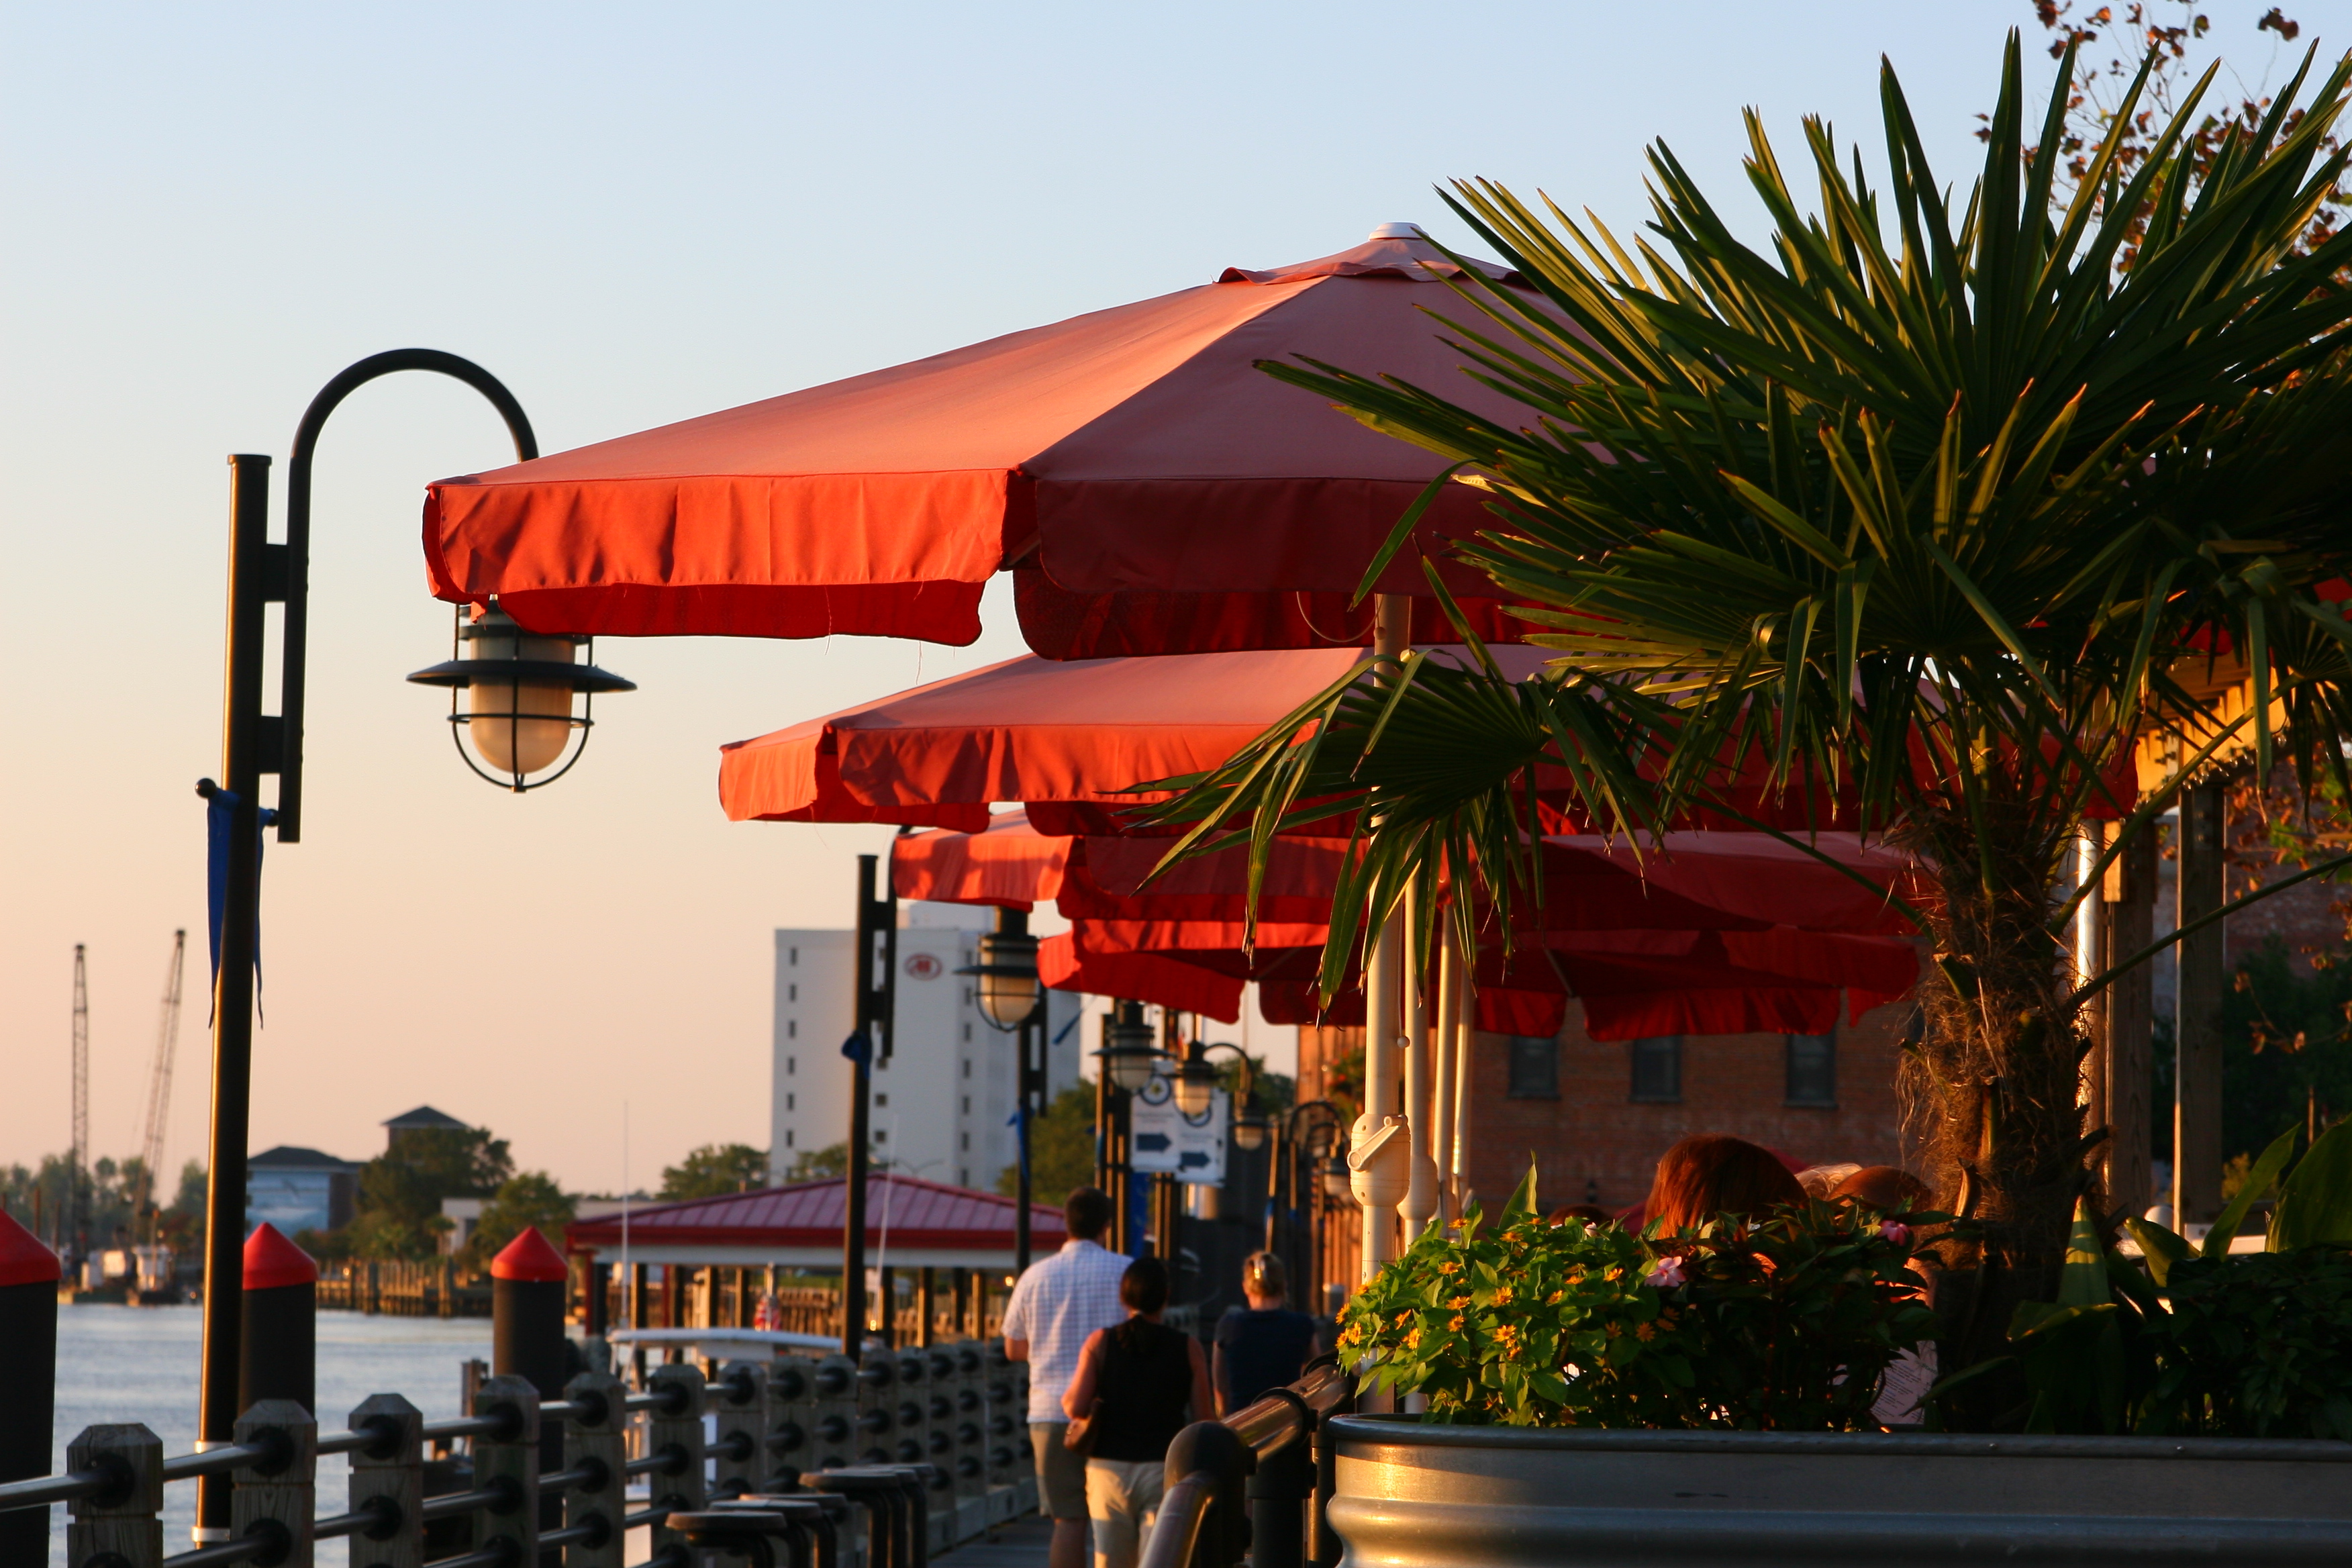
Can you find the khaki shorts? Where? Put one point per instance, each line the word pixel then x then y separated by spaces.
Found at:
pixel 1061 1475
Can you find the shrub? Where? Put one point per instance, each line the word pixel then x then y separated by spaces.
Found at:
pixel 1786 1323
pixel 2258 1344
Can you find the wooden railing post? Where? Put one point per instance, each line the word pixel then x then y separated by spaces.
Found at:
pixel 510 1461
pixel 739 1405
pixel 600 1445
pixel 124 1525
pixel 392 1469
pixel 679 1427
pixel 282 1498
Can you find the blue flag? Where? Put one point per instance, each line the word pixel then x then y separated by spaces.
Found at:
pixel 220 811
pixel 858 1048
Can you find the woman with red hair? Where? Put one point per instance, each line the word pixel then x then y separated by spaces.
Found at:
pixel 1710 1173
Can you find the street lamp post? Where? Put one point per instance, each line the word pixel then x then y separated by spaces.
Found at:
pixel 1013 1001
pixel 254 743
pixel 1127 1061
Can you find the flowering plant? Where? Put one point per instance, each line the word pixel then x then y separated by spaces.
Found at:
pixel 1783 1323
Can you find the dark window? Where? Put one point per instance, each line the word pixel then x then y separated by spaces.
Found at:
pixel 1658 1069
pixel 1812 1069
pixel 1535 1067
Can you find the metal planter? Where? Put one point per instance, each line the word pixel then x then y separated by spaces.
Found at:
pixel 1435 1496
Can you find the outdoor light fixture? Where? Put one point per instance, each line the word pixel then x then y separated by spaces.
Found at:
pixel 1250 1128
pixel 1128 1058
pixel 518 706
pixel 1196 1081
pixel 1196 1084
pixel 1007 972
pixel 1334 1180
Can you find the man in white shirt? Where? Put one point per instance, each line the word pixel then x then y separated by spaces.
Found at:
pixel 1055 1305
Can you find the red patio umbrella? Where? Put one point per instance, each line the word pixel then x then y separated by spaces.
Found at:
pixel 1706 933
pixel 1153 490
pixel 1030 730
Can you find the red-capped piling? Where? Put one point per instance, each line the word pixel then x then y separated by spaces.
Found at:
pixel 280 1322
pixel 528 1285
pixel 28 1380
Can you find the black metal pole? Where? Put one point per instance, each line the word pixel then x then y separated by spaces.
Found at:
pixel 1022 1037
pixel 249 570
pixel 861 1070
pixel 529 1282
pixel 252 744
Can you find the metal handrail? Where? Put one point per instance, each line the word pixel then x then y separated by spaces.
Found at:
pixel 227 1457
pixel 43 1491
pixel 1177 1531
pixel 244 1549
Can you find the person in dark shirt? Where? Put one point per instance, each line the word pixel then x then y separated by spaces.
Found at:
pixel 1265 1346
pixel 1137 1384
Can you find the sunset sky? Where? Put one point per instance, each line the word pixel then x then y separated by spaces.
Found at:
pixel 632 216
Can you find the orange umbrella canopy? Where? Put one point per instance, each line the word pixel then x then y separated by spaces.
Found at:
pixel 1153 490
pixel 1704 934
pixel 1030 730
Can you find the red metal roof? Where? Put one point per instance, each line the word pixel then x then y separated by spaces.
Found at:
pixel 809 1214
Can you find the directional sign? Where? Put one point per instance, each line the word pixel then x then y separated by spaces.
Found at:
pixel 1162 1139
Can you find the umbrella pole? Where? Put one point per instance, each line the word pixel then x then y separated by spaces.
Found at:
pixel 1463 1023
pixel 1443 1044
pixel 1420 1201
pixel 1391 617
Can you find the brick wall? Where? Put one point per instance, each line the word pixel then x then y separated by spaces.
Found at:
pixel 1594 1143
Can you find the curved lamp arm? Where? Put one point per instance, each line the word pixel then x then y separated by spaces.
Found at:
pixel 297 536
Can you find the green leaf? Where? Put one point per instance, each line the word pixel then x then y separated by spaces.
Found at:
pixel 2315 1203
pixel 2083 1281
pixel 2258 1185
pixel 2162 1247
pixel 1523 1199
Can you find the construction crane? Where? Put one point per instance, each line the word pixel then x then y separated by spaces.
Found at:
pixel 159 1082
pixel 77 1171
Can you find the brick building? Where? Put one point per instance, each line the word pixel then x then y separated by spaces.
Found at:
pixel 1596 1114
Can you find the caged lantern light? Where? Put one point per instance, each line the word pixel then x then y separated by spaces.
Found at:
pixel 516 689
pixel 1129 1059
pixel 1197 1078
pixel 1250 1127
pixel 1007 972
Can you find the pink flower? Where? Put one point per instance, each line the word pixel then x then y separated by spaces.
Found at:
pixel 1895 1231
pixel 1666 1275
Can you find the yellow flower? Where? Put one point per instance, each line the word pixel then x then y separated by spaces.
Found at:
pixel 1503 1296
pixel 1451 1266
pixel 1615 1329
pixel 1413 1340
pixel 1457 1303
pixel 1403 1319
pixel 1454 1324
pixel 1614 1273
pixel 1645 1332
pixel 1553 1300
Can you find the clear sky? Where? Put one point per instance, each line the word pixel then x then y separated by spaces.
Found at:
pixel 634 214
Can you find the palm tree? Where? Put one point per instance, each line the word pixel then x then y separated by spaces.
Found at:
pixel 1924 514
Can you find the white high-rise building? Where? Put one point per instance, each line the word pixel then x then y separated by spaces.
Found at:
pixel 943 1102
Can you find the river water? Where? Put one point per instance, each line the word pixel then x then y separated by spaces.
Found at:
pixel 142 1363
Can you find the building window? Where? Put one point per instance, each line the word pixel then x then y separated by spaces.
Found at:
pixel 791 1102
pixel 792 992
pixel 881 1099
pixel 1658 1069
pixel 883 1136
pixel 1813 1069
pixel 792 1028
pixel 967 1105
pixel 963 1176
pixel 1535 1067
pixel 967 1142
pixel 967 1067
pixel 790 1063
pixel 793 956
pixel 788 1137
pixel 966 1033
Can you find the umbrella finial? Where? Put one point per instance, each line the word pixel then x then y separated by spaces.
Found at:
pixel 1396 231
